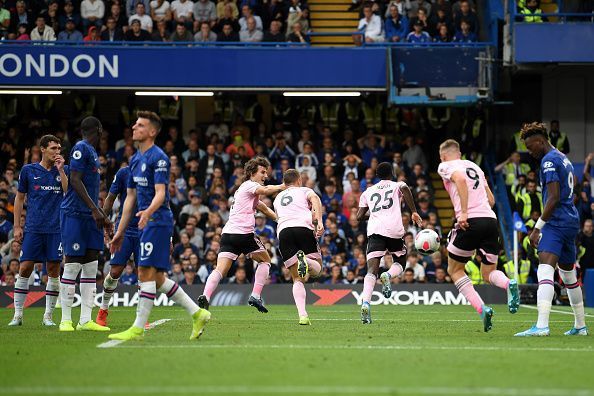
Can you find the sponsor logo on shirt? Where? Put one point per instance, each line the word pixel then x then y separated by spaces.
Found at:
pixel 141 181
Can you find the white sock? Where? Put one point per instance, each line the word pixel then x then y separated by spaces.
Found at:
pixel 88 289
pixel 576 298
pixel 179 296
pixel 146 298
pixel 52 290
pixel 109 286
pixel 21 289
pixel 67 289
pixel 545 294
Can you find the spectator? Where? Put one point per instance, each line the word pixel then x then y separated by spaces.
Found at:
pixel 370 148
pixel 274 35
pixel 296 36
pixel 465 13
pixel 240 277
pixel 403 7
pixel 13 254
pixel 423 18
pixel 112 32
pixel 443 35
pixel 205 34
pixel 222 4
pixel 416 5
pixel 181 247
pixel 293 16
pixel 181 34
pixel 210 260
pixel 512 169
pixel 309 170
pixel 396 25
pixel 131 6
pixel 417 267
pixel 529 201
pixel 161 10
pixel 247 13
pixel 146 23
pixel 408 276
pixel 41 31
pixel 92 13
pixel 262 229
pixel 195 208
pixel 93 34
pixel 252 34
pixel 136 33
pixel 414 153
pixel 177 273
pixel 586 246
pixel 371 25
pixel 464 35
pixel 22 33
pixel 115 12
pixel 281 151
pixel 129 277
pixel 4 20
pixel 335 276
pixel 190 277
pixel 70 34
pixel 418 35
pixel 237 143
pixel 204 11
pixel 230 18
pixel 5 225
pixel 21 16
pixel 558 139
pixel 68 13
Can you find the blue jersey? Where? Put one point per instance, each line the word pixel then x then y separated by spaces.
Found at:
pixel 555 167
pixel 146 170
pixel 44 197
pixel 119 187
pixel 84 159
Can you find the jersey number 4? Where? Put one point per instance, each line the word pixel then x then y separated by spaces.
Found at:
pixel 376 198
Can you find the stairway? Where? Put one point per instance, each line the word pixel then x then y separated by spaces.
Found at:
pixel 443 203
pixel 331 16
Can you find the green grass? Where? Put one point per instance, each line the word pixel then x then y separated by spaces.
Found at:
pixel 408 350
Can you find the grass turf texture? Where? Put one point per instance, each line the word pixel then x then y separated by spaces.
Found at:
pixel 408 350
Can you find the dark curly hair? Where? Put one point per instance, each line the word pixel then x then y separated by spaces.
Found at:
pixel 251 167
pixel 532 129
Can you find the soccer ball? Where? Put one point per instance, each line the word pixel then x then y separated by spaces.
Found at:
pixel 427 242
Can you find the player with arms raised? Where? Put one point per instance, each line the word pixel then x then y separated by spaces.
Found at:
pixel 130 245
pixel 476 229
pixel 299 211
pixel 555 231
pixel 147 186
pixel 43 184
pixel 384 230
pixel 238 234
pixel 81 225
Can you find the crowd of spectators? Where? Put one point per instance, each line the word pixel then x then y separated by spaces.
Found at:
pixel 419 21
pixel 154 20
pixel 338 162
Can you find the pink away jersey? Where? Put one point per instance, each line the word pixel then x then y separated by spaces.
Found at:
pixel 383 201
pixel 241 215
pixel 478 203
pixel 293 208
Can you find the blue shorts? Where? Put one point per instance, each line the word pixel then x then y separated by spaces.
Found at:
pixel 560 242
pixel 154 247
pixel 79 234
pixel 130 246
pixel 41 248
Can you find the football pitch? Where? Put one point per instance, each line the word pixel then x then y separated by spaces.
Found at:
pixel 407 350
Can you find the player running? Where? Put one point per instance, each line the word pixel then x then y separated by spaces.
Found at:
pixel 82 222
pixel 384 231
pixel 147 186
pixel 299 211
pixel 43 184
pixel 238 234
pixel 476 229
pixel 130 245
pixel 555 232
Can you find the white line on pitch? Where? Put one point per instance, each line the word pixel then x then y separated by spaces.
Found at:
pixel 113 343
pixel 586 349
pixel 556 311
pixel 292 389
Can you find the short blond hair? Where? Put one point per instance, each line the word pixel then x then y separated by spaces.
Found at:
pixel 449 145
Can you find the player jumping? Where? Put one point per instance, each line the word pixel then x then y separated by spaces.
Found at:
pixel 555 231
pixel 476 230
pixel 147 185
pixel 44 184
pixel 81 224
pixel 130 245
pixel 298 209
pixel 384 230
pixel 238 234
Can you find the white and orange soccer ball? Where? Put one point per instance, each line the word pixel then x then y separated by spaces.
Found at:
pixel 427 242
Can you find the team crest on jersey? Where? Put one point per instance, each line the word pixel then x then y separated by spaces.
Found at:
pixel 143 167
pixel 77 155
pixel 58 179
pixel 161 163
pixel 75 246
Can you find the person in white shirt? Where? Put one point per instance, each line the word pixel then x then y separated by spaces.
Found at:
pixel 252 34
pixel 247 13
pixel 183 11
pixel 92 13
pixel 42 32
pixel 161 10
pixel 146 23
pixel 371 25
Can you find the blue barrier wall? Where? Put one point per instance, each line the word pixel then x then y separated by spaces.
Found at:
pixel 553 42
pixel 191 67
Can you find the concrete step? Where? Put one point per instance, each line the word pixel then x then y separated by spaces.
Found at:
pixel 443 203
pixel 347 24
pixel 335 15
pixel 332 40
pixel 328 7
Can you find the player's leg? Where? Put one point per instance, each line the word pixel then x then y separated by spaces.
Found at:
pixel 568 275
pixel 228 252
pixel 73 255
pixel 262 272
pixel 373 260
pixel 397 250
pixel 88 291
pixel 299 295
pixel 21 289
pixel 52 290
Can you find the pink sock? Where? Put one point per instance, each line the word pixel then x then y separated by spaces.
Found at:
pixel 211 283
pixel 260 279
pixel 314 267
pixel 395 270
pixel 368 285
pixel 499 279
pixel 465 287
pixel 299 296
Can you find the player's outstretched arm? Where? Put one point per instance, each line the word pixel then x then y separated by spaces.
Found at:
pixel 262 207
pixel 460 182
pixel 410 202
pixel 19 200
pixel 270 190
